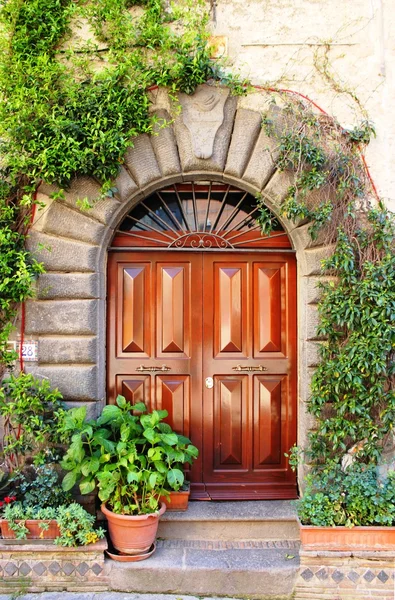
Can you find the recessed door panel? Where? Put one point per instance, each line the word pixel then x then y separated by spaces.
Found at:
pixel 173 310
pixel 229 318
pixel 230 418
pixel 173 395
pixel 269 310
pixel 270 396
pixel 133 318
pixel 135 388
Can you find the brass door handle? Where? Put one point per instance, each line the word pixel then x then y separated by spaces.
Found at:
pixel 258 368
pixel 163 369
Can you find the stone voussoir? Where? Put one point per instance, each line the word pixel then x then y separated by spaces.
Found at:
pixel 165 146
pixel 246 130
pixel 141 161
pixel 191 149
pixel 63 221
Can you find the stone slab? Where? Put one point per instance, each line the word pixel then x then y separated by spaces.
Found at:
pixel 62 254
pixel 141 161
pixel 125 185
pixel 232 521
pixel 261 166
pixel 258 510
pixel 165 146
pixel 245 133
pixel 61 317
pixel 68 349
pixel 75 382
pixel 84 187
pixel 63 221
pixel 68 286
pixel 248 573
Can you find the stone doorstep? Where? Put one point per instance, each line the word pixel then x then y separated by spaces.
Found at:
pixel 229 521
pixel 39 567
pixel 211 568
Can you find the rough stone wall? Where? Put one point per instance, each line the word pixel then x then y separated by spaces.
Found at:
pixel 276 42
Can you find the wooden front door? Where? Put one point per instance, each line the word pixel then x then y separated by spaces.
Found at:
pixel 211 338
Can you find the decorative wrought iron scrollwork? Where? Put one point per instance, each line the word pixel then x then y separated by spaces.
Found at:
pixel 200 240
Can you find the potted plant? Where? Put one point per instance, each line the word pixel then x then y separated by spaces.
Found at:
pixel 66 525
pixel 130 455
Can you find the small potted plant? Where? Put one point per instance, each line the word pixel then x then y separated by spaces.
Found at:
pixel 66 525
pixel 130 455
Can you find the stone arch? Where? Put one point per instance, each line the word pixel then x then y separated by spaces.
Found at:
pixel 214 137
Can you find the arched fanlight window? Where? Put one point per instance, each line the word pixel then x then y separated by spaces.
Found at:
pixel 200 216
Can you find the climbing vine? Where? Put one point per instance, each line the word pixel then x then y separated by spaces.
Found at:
pixel 352 390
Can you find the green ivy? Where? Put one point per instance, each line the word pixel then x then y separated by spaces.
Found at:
pixel 352 391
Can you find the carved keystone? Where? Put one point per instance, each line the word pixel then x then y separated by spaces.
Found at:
pixel 203 115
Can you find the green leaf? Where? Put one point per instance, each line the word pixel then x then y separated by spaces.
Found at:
pixel 175 478
pixel 171 439
pixel 139 407
pixel 109 413
pixel 121 401
pixel 86 487
pixel 150 435
pixel 133 476
pixel 69 481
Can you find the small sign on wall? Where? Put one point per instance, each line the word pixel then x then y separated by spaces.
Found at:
pixel 29 350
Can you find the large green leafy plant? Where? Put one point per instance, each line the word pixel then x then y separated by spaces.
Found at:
pixel 130 455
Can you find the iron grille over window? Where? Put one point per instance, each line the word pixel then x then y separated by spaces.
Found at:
pixel 203 215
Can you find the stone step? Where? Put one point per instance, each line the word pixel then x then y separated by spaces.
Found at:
pixel 230 521
pixel 266 570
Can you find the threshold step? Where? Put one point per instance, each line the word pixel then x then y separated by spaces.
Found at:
pixel 182 567
pixel 227 521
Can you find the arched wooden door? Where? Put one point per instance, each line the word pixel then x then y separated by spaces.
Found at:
pixel 207 331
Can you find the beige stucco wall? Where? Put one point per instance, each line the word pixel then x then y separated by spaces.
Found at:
pixel 274 42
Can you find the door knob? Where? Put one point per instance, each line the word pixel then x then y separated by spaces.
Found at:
pixel 209 382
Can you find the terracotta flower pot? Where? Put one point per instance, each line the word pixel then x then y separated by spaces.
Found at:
pixel 176 501
pixel 345 539
pixel 35 531
pixel 133 534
